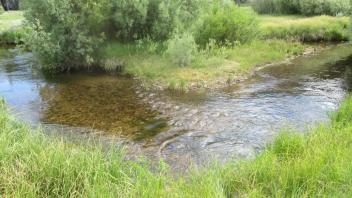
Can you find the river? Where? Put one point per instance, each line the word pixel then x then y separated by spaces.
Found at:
pixel 236 122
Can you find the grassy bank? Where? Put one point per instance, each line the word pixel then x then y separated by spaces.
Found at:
pixel 294 165
pixel 11 28
pixel 211 67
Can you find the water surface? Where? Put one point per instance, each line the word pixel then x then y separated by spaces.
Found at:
pixel 182 128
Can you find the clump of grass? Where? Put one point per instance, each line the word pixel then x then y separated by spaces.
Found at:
pixel 12 37
pixel 113 65
pixel 319 28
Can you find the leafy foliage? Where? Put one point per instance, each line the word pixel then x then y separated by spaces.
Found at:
pixel 276 6
pixel 134 20
pixel 306 7
pixel 227 23
pixel 329 7
pixel 154 19
pixel 65 34
pixel 182 49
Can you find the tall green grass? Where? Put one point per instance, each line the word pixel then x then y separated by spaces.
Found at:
pixel 12 37
pixel 313 164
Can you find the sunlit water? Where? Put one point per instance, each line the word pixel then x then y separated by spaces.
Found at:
pixel 181 128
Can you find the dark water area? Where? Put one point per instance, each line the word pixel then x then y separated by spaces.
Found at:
pixel 236 122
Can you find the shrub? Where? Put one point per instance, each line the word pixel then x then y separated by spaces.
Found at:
pixel 306 7
pixel 65 34
pixel 288 6
pixel 161 20
pixel 264 6
pixel 227 24
pixel 129 18
pixel 155 19
pixel 328 7
pixel 182 49
pixel 276 6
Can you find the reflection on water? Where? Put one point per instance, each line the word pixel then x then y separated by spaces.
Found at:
pixel 235 122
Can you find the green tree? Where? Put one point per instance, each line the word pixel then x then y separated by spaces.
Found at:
pixel 66 34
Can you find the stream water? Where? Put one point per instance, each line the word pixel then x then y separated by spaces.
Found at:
pixel 235 122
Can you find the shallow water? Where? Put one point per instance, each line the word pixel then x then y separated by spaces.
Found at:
pixel 98 101
pixel 182 128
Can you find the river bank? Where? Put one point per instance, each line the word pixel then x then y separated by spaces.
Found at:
pixel 317 163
